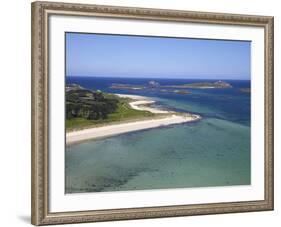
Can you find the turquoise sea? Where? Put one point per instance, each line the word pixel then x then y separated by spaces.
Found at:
pixel 214 151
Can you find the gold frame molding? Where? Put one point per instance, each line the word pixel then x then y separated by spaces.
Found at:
pixel 40 192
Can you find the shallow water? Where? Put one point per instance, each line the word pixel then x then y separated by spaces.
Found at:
pixel 214 151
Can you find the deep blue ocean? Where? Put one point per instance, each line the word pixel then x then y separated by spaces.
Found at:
pixel 214 151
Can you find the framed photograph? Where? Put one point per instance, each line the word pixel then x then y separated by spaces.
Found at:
pixel 146 113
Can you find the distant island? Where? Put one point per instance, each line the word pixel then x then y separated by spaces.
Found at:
pixel 95 114
pixel 127 86
pixel 203 85
pixel 155 85
pixel 245 90
pixel 182 92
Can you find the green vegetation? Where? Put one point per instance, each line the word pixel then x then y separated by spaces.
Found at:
pixel 82 103
pixel 85 108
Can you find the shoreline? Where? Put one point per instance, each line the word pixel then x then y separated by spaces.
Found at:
pixel 138 103
pixel 143 103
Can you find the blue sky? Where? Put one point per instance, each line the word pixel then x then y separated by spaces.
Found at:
pixel 100 55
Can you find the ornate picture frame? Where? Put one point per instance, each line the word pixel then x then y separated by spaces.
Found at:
pixel 41 12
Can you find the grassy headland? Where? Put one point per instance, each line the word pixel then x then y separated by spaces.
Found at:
pixel 86 108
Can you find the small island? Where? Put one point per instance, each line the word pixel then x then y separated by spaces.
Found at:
pixel 203 85
pixel 154 85
pixel 96 114
pixel 245 90
pixel 127 86
pixel 181 92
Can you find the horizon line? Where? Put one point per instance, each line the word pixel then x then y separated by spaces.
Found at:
pixel 127 77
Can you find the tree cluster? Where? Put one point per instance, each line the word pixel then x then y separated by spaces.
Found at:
pixel 89 104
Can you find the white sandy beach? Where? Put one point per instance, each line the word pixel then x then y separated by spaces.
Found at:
pixel 142 103
pixel 139 103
